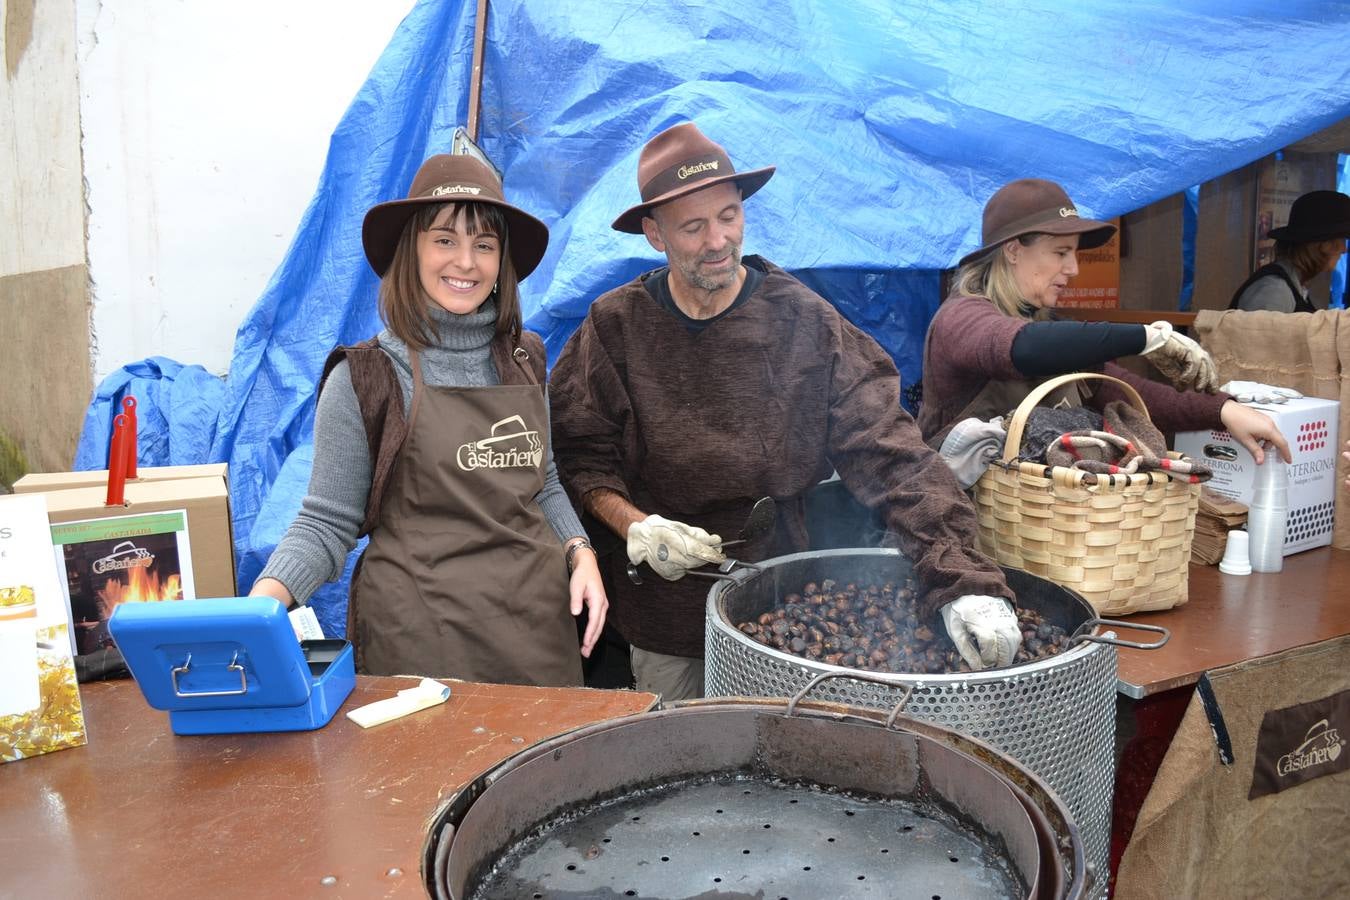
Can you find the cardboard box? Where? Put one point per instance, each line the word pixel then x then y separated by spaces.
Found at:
pixel 40 707
pixel 170 540
pixel 60 481
pixel 1310 427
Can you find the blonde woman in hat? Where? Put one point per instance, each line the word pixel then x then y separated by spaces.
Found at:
pixel 717 379
pixel 995 337
pixel 433 439
pixel 1310 245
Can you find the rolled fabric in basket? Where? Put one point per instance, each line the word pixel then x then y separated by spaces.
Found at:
pixel 1127 444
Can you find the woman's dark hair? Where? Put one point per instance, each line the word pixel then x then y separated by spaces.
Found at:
pixel 403 303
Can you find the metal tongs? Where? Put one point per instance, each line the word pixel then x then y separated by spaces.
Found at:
pixel 759 523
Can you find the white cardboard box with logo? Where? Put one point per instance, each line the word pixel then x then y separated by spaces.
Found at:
pixel 1309 425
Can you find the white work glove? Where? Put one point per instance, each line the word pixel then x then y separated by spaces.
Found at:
pixel 984 630
pixel 1256 392
pixel 672 548
pixel 1181 360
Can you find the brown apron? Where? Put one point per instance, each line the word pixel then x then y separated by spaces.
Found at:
pixel 463 576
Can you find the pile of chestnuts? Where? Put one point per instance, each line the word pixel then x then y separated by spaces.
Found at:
pixel 874 627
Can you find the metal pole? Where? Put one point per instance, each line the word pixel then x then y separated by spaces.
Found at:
pixel 476 76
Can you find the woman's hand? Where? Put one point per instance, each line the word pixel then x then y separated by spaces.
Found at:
pixel 1346 454
pixel 586 589
pixel 1251 428
pixel 270 587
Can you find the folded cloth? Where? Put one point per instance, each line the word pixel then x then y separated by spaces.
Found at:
pixel 1128 443
pixel 1256 392
pixel 971 446
pixel 1046 424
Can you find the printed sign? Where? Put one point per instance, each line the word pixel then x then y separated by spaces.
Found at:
pixel 125 559
pixel 1299 743
pixel 1097 284
pixel 39 699
pixel 1279 183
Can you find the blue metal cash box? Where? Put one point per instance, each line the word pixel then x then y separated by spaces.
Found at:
pixel 231 665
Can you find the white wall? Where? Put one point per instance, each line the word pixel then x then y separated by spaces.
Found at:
pixel 206 125
pixel 40 189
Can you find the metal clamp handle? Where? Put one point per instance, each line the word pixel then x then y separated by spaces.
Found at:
pixel 232 667
pixel 1081 635
pixel 723 573
pixel 855 676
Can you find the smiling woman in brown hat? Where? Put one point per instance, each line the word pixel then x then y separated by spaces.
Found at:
pixel 1311 244
pixel 433 438
pixel 995 338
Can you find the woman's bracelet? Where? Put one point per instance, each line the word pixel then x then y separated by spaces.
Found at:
pixel 572 549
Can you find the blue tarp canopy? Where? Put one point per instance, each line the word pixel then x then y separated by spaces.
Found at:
pixel 890 124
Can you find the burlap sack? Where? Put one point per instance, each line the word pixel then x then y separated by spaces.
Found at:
pixel 1198 834
pixel 1309 352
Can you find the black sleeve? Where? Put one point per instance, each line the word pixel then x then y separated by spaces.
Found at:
pixel 1052 348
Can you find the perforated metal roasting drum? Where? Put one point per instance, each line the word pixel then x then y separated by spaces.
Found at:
pixel 756 798
pixel 1056 716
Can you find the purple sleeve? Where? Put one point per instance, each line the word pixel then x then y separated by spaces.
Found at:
pixel 974 336
pixel 1170 409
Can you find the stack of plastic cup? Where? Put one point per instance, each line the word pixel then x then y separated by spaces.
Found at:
pixel 1268 515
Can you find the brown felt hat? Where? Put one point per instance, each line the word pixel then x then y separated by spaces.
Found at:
pixel 453 178
pixel 1316 216
pixel 679 161
pixel 1030 205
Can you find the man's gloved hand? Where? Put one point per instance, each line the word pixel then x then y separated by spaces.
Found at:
pixel 1256 392
pixel 984 630
pixel 672 548
pixel 1181 360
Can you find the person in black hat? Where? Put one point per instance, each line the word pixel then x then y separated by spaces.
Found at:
pixel 717 379
pixel 432 438
pixel 995 338
pixel 1311 244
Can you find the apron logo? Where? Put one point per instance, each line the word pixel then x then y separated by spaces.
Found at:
pixel 125 555
pixel 1321 745
pixel 510 446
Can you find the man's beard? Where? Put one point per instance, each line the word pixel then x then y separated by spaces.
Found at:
pixel 697 279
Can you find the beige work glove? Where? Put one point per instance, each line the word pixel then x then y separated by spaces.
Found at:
pixel 1181 360
pixel 1256 392
pixel 672 548
pixel 984 630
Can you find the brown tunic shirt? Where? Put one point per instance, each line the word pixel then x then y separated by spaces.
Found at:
pixel 765 401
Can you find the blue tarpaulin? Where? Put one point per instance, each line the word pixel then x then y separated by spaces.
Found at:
pixel 890 124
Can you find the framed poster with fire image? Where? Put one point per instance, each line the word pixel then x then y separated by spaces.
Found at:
pixel 124 559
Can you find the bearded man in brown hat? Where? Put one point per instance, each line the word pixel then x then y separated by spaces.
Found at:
pixel 717 379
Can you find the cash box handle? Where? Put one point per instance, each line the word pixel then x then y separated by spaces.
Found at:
pixel 232 667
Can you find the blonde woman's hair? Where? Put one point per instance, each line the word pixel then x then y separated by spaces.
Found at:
pixel 991 277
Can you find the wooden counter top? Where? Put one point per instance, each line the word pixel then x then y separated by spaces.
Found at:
pixel 335 813
pixel 1231 618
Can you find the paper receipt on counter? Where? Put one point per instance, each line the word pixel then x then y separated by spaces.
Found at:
pixel 409 700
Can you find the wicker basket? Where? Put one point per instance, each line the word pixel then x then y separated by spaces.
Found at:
pixel 1123 542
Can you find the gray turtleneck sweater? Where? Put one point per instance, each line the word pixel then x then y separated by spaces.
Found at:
pixel 315 547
